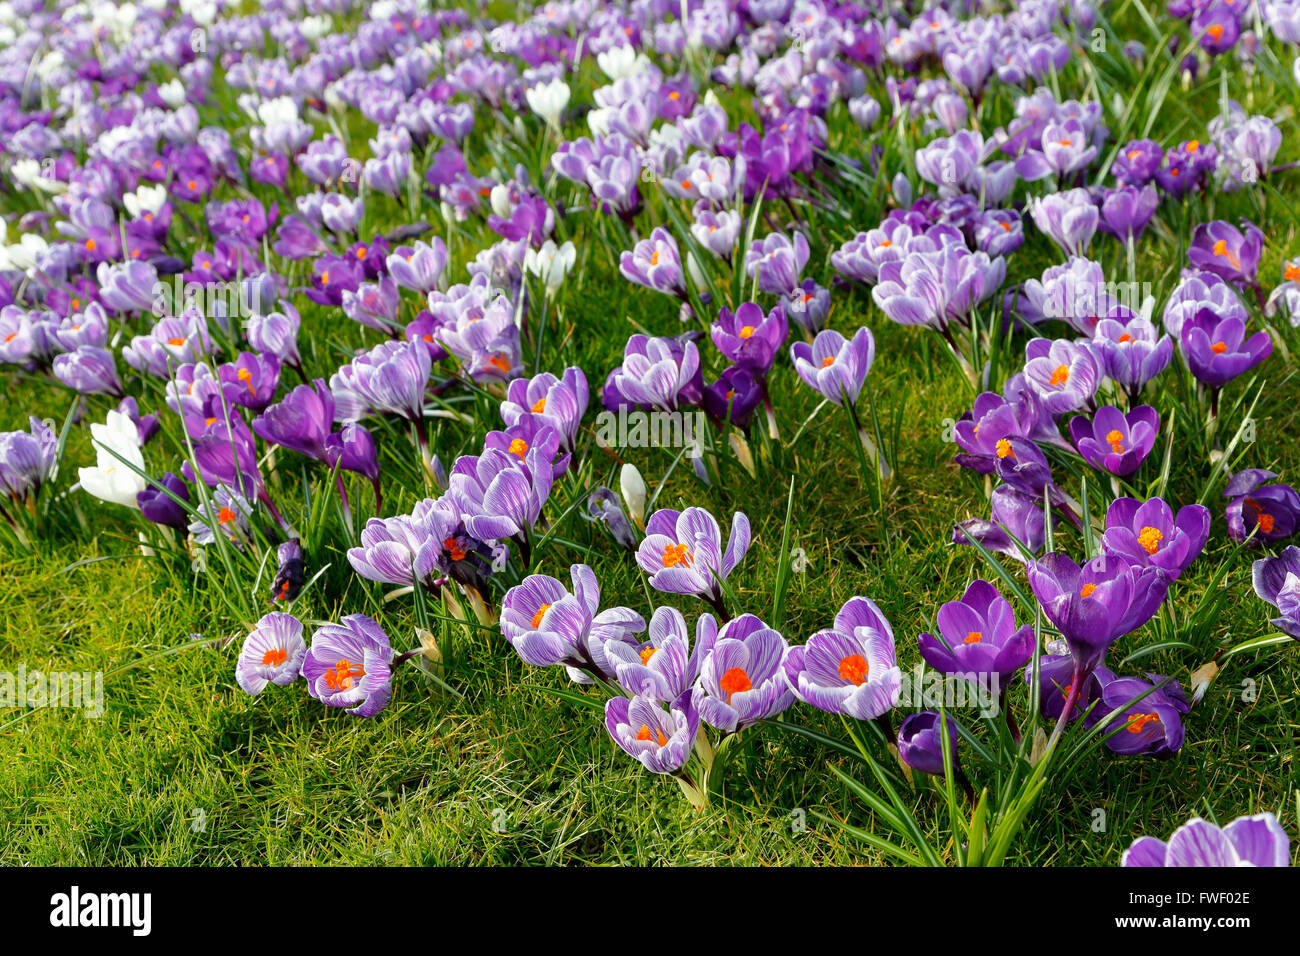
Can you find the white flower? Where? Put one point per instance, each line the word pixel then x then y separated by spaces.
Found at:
pixel 632 485
pixel 145 199
pixel 27 172
pixel 551 263
pixel 172 93
pixel 22 255
pixel 117 449
pixel 598 120
pixel 279 111
pixel 620 61
pixel 313 28
pixel 499 200
pixel 548 100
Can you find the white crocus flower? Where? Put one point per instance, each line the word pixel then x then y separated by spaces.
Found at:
pixel 313 28
pixel 145 199
pixel 632 485
pixel 548 100
pixel 27 173
pixel 172 93
pixel 499 200
pixel 22 255
pixel 620 61
pixel 551 263
pixel 277 112
pixel 117 449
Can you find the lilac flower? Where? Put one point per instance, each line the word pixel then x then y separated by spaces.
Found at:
pixel 1147 533
pixel 741 676
pixel 1246 841
pixel 683 554
pixel 547 625
pixel 1271 511
pixel 665 666
pixel 850 668
pixel 349 665
pixel 776 262
pixel 660 373
pixel 655 263
pixel 273 653
pixel 1223 249
pixel 1217 350
pixel 1114 441
pixel 978 638
pixel 1152 725
pixel 834 366
pixel 1062 375
pixel 1277 581
pixel 660 739
pixel 920 745
pixel 749 338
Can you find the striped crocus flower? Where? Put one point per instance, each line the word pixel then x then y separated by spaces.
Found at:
pixel 273 653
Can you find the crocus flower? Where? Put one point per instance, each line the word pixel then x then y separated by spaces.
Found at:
pixel 251 380
pixel 1068 218
pixel 1223 249
pixel 118 475
pixel 549 625
pixel 389 378
pixel 655 263
pixel 978 638
pixel 1132 353
pixel 750 338
pixel 1271 511
pixel 665 665
pixel 776 262
pixel 160 507
pixel 661 373
pixel 736 394
pixel 349 665
pixel 983 433
pixel 1095 604
pixel 1217 350
pixel 682 552
pixel 273 653
pixel 418 267
pixel 88 369
pixel 557 402
pixel 1246 841
pixel 1056 676
pixel 661 739
pixel 850 668
pixel 1114 441
pixel 548 100
pixel 1062 375
pixel 834 366
pixel 1148 533
pixel 1126 211
pixel 603 506
pixel 27 459
pixel 1137 162
pixel 301 421
pixel 920 745
pixel 742 677
pixel 1152 725
pixel 1277 581
pixel 290 571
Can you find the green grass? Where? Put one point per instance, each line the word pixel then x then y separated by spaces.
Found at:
pixel 184 768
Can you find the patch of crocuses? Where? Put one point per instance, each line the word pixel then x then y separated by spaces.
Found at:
pixel 329 353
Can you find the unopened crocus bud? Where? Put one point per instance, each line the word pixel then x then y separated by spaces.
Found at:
pixel 632 485
pixel 162 508
pixel 603 507
pixel 291 573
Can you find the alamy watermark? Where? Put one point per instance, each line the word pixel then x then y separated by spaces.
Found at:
pixel 224 299
pixel 75 690
pixel 631 428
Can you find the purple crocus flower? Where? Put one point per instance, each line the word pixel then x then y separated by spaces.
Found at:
pixel 1114 441
pixel 1148 533
pixel 808 306
pixel 389 378
pixel 1152 725
pixel 27 459
pixel 1228 252
pixel 1277 581
pixel 742 678
pixel 683 554
pixel 776 261
pixel 985 431
pixel 160 507
pixel 418 267
pixel 1132 353
pixel 1137 162
pixel 251 380
pixel 301 421
pixel 557 402
pixel 834 366
pixel 850 668
pixel 665 665
pixel 1126 211
pixel 547 625
pixel 735 394
pixel 290 571
pixel 276 333
pixel 662 373
pixel 1217 350
pixel 349 665
pixel 90 370
pixel 273 653
pixel 405 550
pixel 1062 375
pixel 656 264
pixel 919 743
pixel 1095 604
pixel 1246 841
pixel 1068 218
pixel 749 338
pixel 978 639
pixel 1056 681
pixel 660 739
pixel 1271 511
